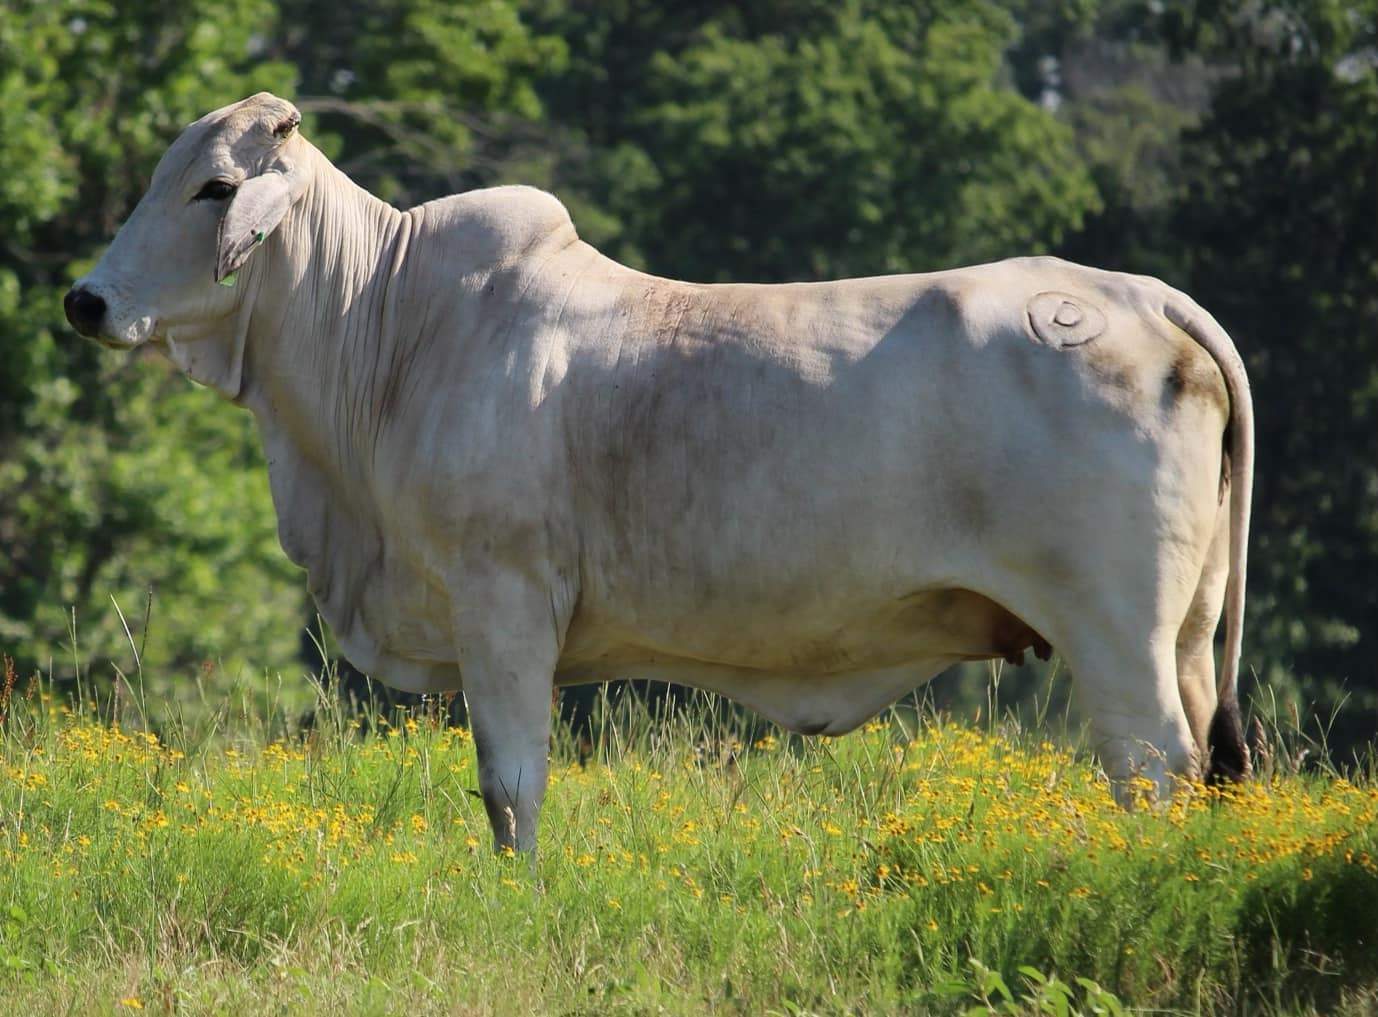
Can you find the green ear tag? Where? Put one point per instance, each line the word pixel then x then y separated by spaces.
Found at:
pixel 258 238
pixel 229 280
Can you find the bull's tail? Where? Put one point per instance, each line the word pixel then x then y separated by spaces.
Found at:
pixel 1229 755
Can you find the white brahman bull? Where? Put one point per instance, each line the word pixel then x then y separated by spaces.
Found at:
pixel 507 462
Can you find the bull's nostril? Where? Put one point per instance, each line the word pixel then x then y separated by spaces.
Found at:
pixel 85 311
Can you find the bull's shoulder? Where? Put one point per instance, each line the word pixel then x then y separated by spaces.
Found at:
pixel 492 226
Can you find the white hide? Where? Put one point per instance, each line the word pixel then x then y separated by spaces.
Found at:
pixel 507 461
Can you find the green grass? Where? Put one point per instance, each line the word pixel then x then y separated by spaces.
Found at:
pixel 917 866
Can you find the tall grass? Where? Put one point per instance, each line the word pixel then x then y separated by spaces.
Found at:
pixel 687 863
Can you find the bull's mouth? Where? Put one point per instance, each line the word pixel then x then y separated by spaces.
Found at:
pixel 140 333
pixel 119 345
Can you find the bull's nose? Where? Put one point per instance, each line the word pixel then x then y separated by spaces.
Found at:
pixel 84 310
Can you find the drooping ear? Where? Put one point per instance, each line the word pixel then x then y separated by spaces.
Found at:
pixel 255 211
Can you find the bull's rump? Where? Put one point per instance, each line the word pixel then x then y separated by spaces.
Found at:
pixel 773 475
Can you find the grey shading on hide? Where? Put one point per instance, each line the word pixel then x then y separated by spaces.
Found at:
pixel 1061 320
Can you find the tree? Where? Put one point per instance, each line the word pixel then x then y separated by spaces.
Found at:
pixel 1279 224
pixel 811 140
pixel 117 479
pixel 416 99
pixel 1224 145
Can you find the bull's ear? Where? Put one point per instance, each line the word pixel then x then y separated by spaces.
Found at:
pixel 255 211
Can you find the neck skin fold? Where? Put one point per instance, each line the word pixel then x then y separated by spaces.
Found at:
pixel 319 331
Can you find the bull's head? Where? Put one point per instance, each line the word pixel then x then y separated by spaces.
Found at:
pixel 169 275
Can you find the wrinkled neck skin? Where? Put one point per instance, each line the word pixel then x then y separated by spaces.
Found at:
pixel 318 325
pixel 319 337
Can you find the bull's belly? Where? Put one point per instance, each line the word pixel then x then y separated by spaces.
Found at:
pixel 803 669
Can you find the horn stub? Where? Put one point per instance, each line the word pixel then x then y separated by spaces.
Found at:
pixel 287 125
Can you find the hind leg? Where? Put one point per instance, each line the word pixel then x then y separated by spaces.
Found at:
pixel 1126 681
pixel 1117 618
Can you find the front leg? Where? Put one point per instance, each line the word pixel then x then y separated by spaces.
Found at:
pixel 509 640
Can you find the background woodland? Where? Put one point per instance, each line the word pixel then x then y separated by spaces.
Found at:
pixel 1230 148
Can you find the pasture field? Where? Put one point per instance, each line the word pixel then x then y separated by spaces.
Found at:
pixel 917 866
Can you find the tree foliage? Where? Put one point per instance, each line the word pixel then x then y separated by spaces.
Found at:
pixel 1279 225
pixel 826 139
pixel 116 478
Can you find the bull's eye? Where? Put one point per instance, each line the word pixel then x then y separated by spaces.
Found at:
pixel 215 190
